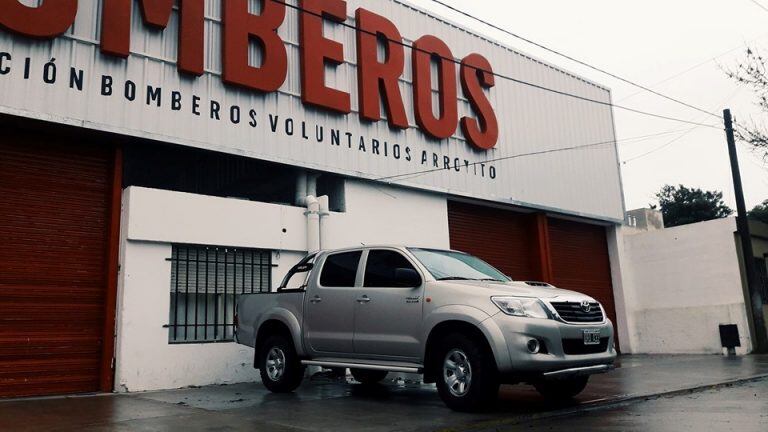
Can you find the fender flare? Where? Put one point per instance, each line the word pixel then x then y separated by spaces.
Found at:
pixel 479 319
pixel 287 318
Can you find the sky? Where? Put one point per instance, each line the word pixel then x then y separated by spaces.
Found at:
pixel 676 47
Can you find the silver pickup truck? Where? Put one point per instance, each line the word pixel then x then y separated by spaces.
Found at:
pixel 445 314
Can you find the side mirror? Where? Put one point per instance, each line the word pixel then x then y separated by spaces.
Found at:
pixel 407 278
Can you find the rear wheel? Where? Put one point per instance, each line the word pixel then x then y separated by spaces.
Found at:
pixel 563 389
pixel 468 380
pixel 366 376
pixel 279 366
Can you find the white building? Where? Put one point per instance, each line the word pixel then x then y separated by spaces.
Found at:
pixel 146 179
pixel 682 283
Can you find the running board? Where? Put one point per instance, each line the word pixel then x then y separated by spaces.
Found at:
pixel 366 366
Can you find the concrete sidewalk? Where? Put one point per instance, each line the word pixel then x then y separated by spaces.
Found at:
pixel 321 404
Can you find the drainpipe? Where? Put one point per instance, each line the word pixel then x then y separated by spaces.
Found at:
pixel 311 179
pixel 313 224
pixel 324 213
pixel 301 188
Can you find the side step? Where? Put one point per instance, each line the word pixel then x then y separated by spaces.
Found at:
pixel 382 366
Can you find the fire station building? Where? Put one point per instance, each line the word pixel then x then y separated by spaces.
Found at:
pixel 158 159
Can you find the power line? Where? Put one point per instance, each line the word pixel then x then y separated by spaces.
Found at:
pixel 662 146
pixel 724 102
pixel 635 139
pixel 583 63
pixel 509 78
pixel 536 153
pixel 760 5
pixel 692 68
pixel 501 76
pixel 641 138
pixel 541 152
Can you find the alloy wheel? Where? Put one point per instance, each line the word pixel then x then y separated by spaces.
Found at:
pixel 275 364
pixel 457 372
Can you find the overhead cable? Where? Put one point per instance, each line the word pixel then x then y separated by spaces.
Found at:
pixel 502 76
pixel 573 59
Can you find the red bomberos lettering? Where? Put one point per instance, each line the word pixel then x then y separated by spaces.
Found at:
pixel 377 79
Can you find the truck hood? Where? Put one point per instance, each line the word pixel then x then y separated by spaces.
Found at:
pixel 514 288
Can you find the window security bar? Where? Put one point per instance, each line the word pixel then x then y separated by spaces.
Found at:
pixel 206 282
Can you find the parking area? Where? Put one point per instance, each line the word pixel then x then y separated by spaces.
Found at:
pixel 324 403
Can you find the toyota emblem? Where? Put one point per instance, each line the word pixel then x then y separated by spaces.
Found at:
pixel 586 306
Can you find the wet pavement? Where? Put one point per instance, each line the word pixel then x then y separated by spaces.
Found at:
pixel 739 408
pixel 324 404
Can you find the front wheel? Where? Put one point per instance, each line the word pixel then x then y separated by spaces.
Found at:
pixel 279 366
pixel 468 380
pixel 563 389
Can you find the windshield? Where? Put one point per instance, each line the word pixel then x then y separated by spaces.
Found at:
pixel 450 265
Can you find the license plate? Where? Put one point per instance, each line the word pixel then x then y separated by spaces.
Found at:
pixel 591 337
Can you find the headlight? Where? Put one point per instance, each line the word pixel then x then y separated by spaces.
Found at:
pixel 522 307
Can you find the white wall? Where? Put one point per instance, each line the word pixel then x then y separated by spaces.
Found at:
pixel 623 297
pixel 680 284
pixel 154 219
pixel 385 215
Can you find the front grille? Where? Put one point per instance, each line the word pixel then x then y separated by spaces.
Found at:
pixel 572 312
pixel 577 347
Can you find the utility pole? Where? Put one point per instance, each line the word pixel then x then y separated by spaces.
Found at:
pixel 760 341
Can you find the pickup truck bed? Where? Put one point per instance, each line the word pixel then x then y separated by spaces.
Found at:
pixel 255 309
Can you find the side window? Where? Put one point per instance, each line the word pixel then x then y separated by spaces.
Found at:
pixel 340 270
pixel 296 278
pixel 381 269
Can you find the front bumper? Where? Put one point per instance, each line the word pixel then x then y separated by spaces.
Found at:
pixel 578 371
pixel 510 335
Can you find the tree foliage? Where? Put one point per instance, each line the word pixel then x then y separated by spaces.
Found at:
pixel 753 73
pixel 760 212
pixel 681 205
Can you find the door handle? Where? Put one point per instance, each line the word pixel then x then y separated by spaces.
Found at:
pixel 316 300
pixel 364 299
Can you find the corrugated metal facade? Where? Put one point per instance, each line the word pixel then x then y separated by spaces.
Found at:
pixel 583 182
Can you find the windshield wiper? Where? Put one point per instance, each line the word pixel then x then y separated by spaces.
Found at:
pixel 491 280
pixel 450 278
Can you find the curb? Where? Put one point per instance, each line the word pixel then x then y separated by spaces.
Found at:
pixel 601 404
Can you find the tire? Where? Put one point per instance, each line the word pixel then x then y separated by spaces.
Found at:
pixel 562 390
pixel 467 379
pixel 368 377
pixel 279 351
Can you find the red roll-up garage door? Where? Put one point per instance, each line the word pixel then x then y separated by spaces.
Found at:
pixel 504 239
pixel 579 254
pixel 575 254
pixel 54 220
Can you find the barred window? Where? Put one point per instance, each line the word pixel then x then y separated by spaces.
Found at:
pixel 206 282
